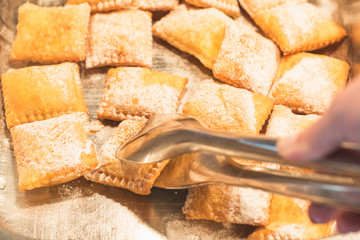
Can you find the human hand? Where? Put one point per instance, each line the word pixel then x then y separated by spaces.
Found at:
pixel 340 123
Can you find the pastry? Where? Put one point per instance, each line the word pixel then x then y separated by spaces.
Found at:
pixel 230 7
pixel 307 83
pixel 120 38
pixel 134 93
pixel 51 34
pixel 289 216
pixel 198 32
pixel 289 220
pixel 254 7
pixel 103 5
pixel 246 59
pixel 298 27
pixel 138 178
pixel 41 92
pixel 229 109
pixel 53 151
pixel 155 5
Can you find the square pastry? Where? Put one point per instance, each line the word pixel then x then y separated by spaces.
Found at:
pixel 53 151
pixel 198 32
pixel 41 92
pixel 51 34
pixel 134 93
pixel 246 59
pixel 120 38
pixel 230 7
pixel 138 178
pixel 254 7
pixel 298 27
pixel 284 122
pixel 229 109
pixel 289 216
pixel 155 5
pixel 307 83
pixel 103 5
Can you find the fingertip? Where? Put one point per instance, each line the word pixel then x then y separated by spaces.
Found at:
pixel 321 214
pixel 348 222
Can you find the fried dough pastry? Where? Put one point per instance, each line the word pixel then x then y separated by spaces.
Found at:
pixel 134 93
pixel 53 151
pixel 198 32
pixel 103 5
pixel 246 59
pixel 51 34
pixel 254 7
pixel 229 7
pixel 223 107
pixel 138 178
pixel 120 38
pixel 298 27
pixel 284 122
pixel 289 216
pixel 307 83
pixel 41 92
pixel 155 5
pixel 226 108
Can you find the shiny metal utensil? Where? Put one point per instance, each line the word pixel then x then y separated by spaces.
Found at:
pixel 334 181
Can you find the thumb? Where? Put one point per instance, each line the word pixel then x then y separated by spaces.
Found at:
pixel 315 142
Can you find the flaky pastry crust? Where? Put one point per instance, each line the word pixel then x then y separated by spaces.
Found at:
pixel 229 7
pixel 103 5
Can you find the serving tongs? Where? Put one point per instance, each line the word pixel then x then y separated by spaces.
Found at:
pixel 333 181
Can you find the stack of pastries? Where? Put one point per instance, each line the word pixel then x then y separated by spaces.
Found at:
pixel 264 77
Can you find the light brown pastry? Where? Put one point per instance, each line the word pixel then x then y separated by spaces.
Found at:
pixel 289 220
pixel 103 5
pixel 246 59
pixel 53 151
pixel 198 32
pixel 138 178
pixel 289 216
pixel 307 83
pixel 229 109
pixel 134 93
pixel 121 38
pixel 254 7
pixel 155 5
pixel 284 122
pixel 51 34
pixel 41 92
pixel 230 7
pixel 298 27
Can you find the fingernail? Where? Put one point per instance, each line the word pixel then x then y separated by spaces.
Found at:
pixel 321 214
pixel 348 222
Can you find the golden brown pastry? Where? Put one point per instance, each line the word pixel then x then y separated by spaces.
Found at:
pixel 230 7
pixel 103 5
pixel 246 59
pixel 289 216
pixel 41 92
pixel 298 27
pixel 134 93
pixel 120 38
pixel 230 109
pixel 155 5
pixel 284 122
pixel 289 220
pixel 198 32
pixel 53 151
pixel 227 108
pixel 307 83
pixel 51 34
pixel 254 7
pixel 138 178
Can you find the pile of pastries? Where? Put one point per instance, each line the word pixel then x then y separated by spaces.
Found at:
pixel 264 75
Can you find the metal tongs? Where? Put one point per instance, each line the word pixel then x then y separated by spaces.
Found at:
pixel 333 181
